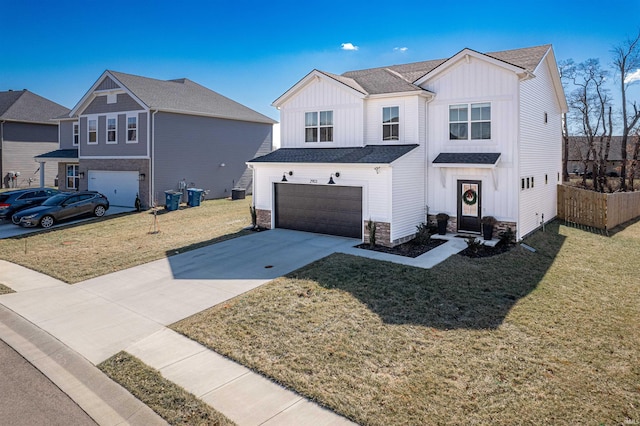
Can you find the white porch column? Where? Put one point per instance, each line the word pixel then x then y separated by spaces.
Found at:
pixel 42 173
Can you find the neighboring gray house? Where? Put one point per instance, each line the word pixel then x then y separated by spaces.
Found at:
pixel 579 154
pixel 26 130
pixel 133 135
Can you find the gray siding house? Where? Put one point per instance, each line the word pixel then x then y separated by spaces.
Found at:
pixel 137 135
pixel 27 129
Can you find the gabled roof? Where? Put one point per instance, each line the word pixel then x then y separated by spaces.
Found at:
pixel 25 106
pixel 404 78
pixel 179 95
pixel 370 154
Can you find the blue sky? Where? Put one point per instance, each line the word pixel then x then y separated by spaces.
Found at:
pixel 253 52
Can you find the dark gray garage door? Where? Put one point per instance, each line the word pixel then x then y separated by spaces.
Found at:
pixel 324 209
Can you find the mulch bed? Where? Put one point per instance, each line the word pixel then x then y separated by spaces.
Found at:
pixel 486 251
pixel 408 249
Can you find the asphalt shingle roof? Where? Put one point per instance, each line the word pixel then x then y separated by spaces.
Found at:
pixel 370 154
pixel 60 153
pixel 467 158
pixel 187 96
pixel 23 105
pixel 400 78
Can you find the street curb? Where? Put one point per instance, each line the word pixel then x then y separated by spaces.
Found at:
pixel 105 401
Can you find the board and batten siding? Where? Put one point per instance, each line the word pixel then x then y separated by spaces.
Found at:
pixel 540 149
pixel 408 109
pixel 323 94
pixel 124 102
pixel 408 194
pixel 209 153
pixel 376 194
pixel 476 81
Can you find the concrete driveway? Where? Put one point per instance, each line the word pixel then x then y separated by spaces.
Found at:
pixel 104 315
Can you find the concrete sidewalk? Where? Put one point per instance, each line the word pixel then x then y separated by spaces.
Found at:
pixel 129 310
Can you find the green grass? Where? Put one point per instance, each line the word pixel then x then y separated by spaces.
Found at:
pixel 537 338
pixel 78 252
pixel 170 401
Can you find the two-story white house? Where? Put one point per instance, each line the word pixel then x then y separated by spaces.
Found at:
pixel 473 135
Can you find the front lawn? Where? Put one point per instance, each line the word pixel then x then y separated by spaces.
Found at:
pixel 81 251
pixel 537 338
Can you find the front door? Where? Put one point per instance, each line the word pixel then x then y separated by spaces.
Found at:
pixel 469 205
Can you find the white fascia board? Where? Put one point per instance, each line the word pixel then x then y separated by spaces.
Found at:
pixel 88 97
pixel 466 54
pixel 549 60
pixel 310 78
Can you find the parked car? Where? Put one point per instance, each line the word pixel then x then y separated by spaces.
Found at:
pixel 20 199
pixel 65 205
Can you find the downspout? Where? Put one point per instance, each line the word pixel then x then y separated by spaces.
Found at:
pixel 152 126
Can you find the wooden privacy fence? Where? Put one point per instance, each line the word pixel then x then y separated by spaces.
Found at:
pixel 596 209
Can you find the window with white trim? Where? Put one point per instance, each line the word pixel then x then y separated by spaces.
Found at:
pixel 132 128
pixel 76 134
pixel 92 129
pixel 112 130
pixel 318 126
pixel 72 176
pixel 390 123
pixel 474 117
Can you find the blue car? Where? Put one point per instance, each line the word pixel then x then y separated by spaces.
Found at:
pixel 20 199
pixel 66 205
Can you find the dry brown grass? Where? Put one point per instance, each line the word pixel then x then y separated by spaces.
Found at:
pixel 521 338
pixel 78 252
pixel 5 290
pixel 170 401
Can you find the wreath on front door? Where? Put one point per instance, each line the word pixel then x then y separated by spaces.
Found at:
pixel 470 197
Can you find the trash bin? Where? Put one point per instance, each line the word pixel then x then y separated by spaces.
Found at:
pixel 194 196
pixel 172 200
pixel 237 194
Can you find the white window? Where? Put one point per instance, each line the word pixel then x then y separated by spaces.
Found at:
pixel 132 129
pixel 92 128
pixel 474 116
pixel 76 134
pixel 72 176
pixel 112 130
pixel 390 123
pixel 318 129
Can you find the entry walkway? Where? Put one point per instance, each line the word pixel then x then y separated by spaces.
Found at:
pixel 129 310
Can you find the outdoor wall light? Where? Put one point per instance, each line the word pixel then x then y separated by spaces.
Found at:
pixel 81 175
pixel 284 175
pixel 331 182
pixel 141 177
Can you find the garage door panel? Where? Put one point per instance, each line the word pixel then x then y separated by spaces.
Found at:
pixel 120 187
pixel 334 210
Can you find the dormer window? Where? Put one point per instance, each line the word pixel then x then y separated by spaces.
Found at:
pixel 390 123
pixel 475 116
pixel 318 126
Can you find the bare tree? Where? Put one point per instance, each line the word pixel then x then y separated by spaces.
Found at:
pixel 626 60
pixel 588 103
pixel 567 71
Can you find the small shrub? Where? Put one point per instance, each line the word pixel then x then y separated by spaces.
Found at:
pixel 442 216
pixel 423 234
pixel 474 244
pixel 508 236
pixel 371 227
pixel 489 220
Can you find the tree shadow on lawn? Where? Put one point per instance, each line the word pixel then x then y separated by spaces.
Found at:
pixel 460 293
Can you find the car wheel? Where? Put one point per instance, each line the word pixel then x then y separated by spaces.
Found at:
pixel 15 220
pixel 99 211
pixel 47 221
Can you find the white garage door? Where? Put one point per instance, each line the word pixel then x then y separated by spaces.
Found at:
pixel 119 187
